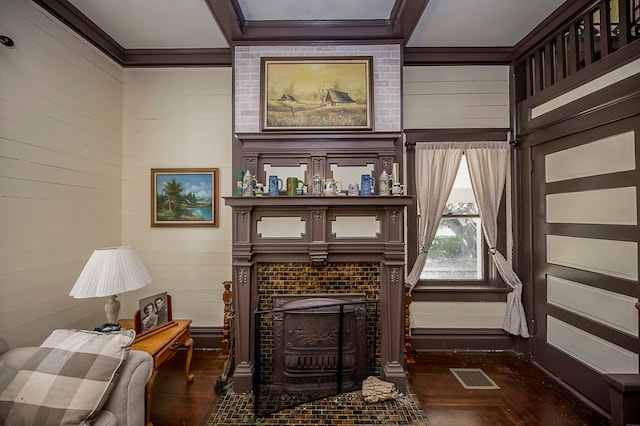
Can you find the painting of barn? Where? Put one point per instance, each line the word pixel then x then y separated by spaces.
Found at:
pixel 316 93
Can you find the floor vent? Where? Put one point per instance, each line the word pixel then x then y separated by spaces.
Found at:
pixel 473 378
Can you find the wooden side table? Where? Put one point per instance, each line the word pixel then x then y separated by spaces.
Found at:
pixel 162 346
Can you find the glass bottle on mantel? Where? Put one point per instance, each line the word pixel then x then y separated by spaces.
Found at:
pixel 384 183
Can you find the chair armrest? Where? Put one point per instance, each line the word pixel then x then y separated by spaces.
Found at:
pixel 127 399
pixel 4 346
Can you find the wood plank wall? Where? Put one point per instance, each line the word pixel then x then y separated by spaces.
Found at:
pixel 178 117
pixel 61 167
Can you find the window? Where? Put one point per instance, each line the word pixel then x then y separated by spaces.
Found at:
pixel 457 249
pixel 471 276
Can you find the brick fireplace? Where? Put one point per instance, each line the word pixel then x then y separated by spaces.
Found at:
pixel 281 285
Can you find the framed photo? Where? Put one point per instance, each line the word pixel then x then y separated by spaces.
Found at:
pixel 154 313
pixel 324 93
pixel 184 197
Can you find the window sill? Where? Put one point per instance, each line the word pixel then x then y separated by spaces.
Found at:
pixel 459 293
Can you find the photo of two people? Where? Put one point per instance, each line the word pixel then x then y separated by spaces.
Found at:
pixel 154 311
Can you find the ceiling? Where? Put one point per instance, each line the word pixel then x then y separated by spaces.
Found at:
pixel 121 27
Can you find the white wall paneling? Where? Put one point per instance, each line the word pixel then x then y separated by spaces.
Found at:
pixel 611 309
pixel 468 315
pixel 599 354
pixel 609 257
pixel 608 155
pixel 615 206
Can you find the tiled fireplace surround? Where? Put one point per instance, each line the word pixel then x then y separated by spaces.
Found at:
pixel 320 261
pixel 319 245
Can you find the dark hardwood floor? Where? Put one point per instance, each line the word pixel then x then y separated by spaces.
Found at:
pixel 176 402
pixel 527 396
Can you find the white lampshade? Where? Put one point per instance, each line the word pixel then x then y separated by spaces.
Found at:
pixel 109 272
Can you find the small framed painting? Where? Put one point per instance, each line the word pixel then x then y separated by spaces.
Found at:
pixel 316 93
pixel 184 197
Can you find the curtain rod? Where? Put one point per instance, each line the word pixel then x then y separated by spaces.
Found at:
pixel 410 144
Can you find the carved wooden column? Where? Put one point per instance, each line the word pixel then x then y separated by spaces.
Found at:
pixel 318 247
pixel 226 327
pixel 392 299
pixel 243 308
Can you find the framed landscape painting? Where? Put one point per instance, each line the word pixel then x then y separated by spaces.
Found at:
pixel 184 197
pixel 326 93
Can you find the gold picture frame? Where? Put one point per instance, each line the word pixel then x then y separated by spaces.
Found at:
pixel 184 197
pixel 316 93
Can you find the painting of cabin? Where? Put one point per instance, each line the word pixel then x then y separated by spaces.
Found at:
pixel 316 93
pixel 336 97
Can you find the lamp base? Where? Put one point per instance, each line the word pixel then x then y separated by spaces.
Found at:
pixel 112 309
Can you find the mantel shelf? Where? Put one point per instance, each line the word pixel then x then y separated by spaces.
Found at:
pixel 316 136
pixel 320 201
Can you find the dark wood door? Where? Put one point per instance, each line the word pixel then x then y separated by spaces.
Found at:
pixel 585 255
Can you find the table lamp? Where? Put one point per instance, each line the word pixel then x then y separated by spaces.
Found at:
pixel 109 272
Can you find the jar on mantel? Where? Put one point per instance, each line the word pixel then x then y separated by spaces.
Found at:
pixel 317 185
pixel 248 184
pixel 384 183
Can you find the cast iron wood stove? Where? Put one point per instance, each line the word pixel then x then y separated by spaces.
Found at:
pixel 320 342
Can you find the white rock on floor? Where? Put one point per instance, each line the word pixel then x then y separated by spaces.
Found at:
pixel 375 390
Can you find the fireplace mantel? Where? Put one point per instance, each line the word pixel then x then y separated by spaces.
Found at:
pixel 317 238
pixel 372 201
pixel 318 230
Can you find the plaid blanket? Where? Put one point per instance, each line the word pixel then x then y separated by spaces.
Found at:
pixel 66 381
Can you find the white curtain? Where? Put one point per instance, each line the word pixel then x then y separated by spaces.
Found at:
pixel 436 169
pixel 487 163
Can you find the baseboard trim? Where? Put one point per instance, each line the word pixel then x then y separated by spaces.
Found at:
pixel 448 339
pixel 422 339
pixel 206 337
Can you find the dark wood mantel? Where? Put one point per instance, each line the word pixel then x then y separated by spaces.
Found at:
pixel 317 243
pixel 375 201
pixel 317 151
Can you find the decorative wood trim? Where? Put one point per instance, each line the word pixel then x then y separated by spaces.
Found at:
pixel 454 135
pixel 550 26
pixel 305 202
pixel 624 92
pixel 461 294
pixel 176 57
pixel 445 339
pixel 238 30
pixel 77 21
pixel 207 338
pixel 420 56
pixel 405 16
